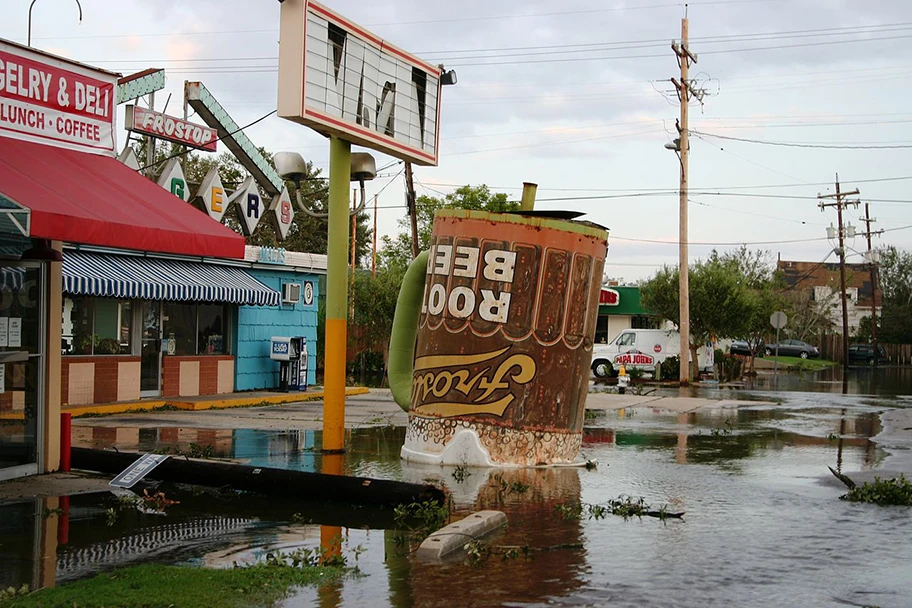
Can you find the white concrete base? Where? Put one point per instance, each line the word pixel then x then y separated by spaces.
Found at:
pixel 464 449
pixel 454 536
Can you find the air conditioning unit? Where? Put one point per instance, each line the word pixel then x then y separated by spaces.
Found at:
pixel 291 293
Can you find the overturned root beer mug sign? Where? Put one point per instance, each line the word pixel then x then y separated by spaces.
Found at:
pixel 505 324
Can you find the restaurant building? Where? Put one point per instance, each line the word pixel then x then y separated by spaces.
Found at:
pixel 620 309
pixel 111 287
pixel 172 326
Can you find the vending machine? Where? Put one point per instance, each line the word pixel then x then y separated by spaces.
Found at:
pixel 291 353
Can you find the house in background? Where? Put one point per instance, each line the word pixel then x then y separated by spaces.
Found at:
pixel 820 284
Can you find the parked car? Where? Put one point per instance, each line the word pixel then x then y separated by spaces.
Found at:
pixel 792 348
pixel 742 347
pixel 864 354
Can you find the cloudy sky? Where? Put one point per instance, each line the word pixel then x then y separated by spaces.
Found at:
pixel 576 97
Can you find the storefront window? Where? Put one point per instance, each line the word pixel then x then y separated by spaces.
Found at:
pixel 212 325
pixel 97 326
pixel 179 322
pixel 104 326
pixel 196 329
pixel 78 315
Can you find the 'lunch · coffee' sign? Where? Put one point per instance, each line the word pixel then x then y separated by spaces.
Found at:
pixel 54 101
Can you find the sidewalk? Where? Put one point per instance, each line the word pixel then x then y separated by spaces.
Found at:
pixel 614 401
pixel 193 404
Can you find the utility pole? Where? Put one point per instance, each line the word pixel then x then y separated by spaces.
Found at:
pixel 413 212
pixel 685 92
pixel 150 143
pixel 354 243
pixel 374 256
pixel 839 204
pixel 872 267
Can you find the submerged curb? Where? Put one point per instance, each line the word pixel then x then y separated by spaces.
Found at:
pixel 454 536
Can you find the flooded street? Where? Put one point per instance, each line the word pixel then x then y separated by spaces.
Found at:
pixel 764 525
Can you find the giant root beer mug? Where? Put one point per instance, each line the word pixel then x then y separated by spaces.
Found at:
pixel 492 339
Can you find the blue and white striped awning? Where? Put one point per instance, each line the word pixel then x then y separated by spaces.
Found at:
pixel 141 278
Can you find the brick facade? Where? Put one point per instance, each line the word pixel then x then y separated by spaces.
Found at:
pixel 208 374
pixel 105 379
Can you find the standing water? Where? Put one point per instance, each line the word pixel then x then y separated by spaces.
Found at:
pixel 763 523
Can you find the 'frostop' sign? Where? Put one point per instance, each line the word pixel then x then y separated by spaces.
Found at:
pixel 169 128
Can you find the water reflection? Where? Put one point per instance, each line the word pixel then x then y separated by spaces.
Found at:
pixel 857 381
pixel 725 436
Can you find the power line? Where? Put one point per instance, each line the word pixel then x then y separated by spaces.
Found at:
pixel 807 145
pixel 741 211
pixel 703 190
pixel 537 50
pixel 552 143
pixel 220 138
pixel 654 55
pixel 720 243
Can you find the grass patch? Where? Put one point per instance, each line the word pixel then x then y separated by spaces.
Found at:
pixel 804 365
pixel 151 586
pixel 624 506
pixel 135 410
pixel 882 492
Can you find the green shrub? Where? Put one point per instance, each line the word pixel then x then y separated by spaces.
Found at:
pixel 728 366
pixel 883 492
pixel 671 368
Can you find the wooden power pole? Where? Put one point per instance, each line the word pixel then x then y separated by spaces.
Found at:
pixel 685 93
pixel 374 256
pixel 839 204
pixel 872 267
pixel 413 212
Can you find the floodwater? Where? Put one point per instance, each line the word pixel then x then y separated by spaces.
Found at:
pixel 763 522
pixel 861 380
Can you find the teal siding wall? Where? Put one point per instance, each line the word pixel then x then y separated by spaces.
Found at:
pixel 257 324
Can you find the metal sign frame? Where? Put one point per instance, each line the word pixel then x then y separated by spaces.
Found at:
pixel 340 79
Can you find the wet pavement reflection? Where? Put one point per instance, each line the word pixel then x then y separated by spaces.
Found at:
pixel 864 380
pixel 763 523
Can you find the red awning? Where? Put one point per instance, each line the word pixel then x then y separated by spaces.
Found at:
pixel 90 199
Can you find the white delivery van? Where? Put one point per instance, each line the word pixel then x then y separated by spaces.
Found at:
pixel 643 349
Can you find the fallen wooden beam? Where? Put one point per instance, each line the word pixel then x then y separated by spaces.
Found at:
pixel 263 480
pixel 843 478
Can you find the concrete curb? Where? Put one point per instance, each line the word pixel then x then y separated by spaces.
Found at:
pixel 454 536
pixel 217 402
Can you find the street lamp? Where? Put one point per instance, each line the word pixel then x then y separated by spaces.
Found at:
pixel 30 19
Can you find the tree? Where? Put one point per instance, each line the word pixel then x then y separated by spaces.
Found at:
pixel 375 297
pixel 374 300
pixel 307 233
pixel 895 277
pixel 809 317
pixel 720 302
pixel 764 284
pixel 397 251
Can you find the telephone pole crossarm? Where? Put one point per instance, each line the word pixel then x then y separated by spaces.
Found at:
pixel 840 203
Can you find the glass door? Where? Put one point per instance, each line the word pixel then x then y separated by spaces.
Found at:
pixel 150 353
pixel 22 301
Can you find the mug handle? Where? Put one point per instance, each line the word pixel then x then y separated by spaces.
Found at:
pixel 405 331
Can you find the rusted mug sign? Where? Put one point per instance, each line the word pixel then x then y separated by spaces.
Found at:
pixel 504 339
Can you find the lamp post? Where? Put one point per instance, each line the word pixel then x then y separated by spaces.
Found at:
pixel 30 19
